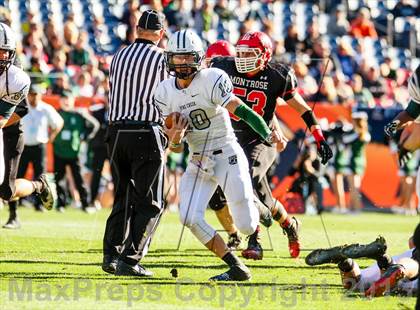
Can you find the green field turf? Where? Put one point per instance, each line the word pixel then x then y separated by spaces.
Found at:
pixel 53 262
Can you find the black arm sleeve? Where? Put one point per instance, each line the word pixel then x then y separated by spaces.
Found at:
pixel 309 119
pixel 22 108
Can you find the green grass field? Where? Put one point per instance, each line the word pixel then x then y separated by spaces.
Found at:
pixel 53 262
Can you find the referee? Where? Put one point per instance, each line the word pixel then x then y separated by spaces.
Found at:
pixel 136 148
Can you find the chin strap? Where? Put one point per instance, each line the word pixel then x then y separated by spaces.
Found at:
pixel 5 69
pixel 185 76
pixel 7 80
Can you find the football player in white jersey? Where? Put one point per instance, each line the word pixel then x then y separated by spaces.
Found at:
pixel 14 86
pixel 204 97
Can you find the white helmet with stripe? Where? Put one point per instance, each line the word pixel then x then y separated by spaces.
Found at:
pixel 187 44
pixel 8 43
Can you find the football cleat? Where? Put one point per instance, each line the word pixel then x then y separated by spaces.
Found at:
pixel 292 233
pixel 235 273
pixel 48 195
pixel 387 282
pixel 373 250
pixel 89 209
pixel 325 256
pixel 234 241
pixel 124 269
pixel 12 223
pixel 334 255
pixel 254 250
pixel 109 263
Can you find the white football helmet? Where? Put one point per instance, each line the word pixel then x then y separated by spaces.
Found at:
pixel 8 43
pixel 184 42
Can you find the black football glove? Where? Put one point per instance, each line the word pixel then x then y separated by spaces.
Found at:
pixel 324 151
pixel 391 128
pixel 404 155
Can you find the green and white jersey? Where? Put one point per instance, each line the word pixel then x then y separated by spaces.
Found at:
pixel 14 87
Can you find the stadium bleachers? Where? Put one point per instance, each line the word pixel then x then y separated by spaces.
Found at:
pixel 84 10
pixel 282 13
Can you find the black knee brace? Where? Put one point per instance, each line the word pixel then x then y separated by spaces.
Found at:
pixel 218 200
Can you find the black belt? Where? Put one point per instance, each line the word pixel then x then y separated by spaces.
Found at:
pixel 214 152
pixel 134 123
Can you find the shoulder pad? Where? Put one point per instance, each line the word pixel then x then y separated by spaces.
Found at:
pixel 18 79
pixel 281 68
pixel 212 73
pixel 222 61
pixel 18 85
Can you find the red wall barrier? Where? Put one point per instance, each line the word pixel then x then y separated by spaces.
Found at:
pixel 332 113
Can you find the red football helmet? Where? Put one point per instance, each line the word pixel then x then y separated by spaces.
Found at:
pixel 220 48
pixel 253 51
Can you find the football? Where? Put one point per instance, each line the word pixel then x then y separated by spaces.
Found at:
pixel 174 116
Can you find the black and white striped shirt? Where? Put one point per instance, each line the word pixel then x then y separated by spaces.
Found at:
pixel 135 73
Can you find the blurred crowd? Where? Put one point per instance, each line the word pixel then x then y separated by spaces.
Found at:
pixel 63 60
pixel 344 173
pixel 338 56
pixel 345 50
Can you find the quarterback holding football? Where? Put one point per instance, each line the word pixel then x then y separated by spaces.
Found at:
pixel 204 97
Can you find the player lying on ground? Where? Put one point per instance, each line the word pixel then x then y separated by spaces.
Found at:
pixel 202 99
pixel 410 141
pixel 389 274
pixel 260 83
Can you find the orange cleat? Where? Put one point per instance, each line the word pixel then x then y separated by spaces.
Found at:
pixel 254 249
pixel 294 249
pixel 292 232
pixel 387 282
pixel 255 253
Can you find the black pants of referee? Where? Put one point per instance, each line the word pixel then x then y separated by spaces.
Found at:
pixel 137 165
pixel 13 145
pixel 34 154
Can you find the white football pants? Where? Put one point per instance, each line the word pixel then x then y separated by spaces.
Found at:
pixel 229 169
